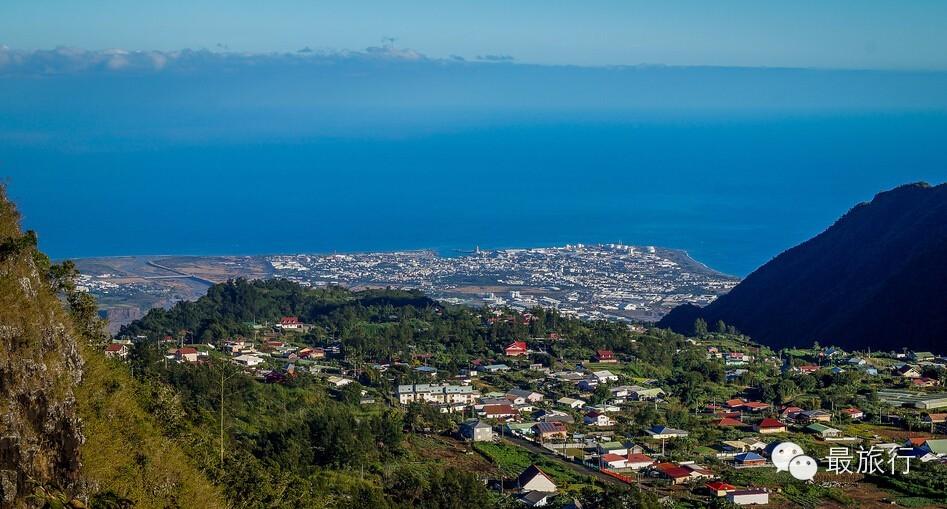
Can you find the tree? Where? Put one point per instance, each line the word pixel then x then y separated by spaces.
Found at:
pixel 700 327
pixel 721 327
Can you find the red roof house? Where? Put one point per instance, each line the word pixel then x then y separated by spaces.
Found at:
pixel 515 349
pixel 605 356
pixel 770 425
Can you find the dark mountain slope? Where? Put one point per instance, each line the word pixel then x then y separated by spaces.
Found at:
pixel 876 278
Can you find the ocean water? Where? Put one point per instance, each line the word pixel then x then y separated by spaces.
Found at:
pixel 732 190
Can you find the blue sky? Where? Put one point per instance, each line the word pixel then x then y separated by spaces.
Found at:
pixel 874 34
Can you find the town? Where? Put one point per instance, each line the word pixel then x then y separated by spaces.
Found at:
pixel 692 419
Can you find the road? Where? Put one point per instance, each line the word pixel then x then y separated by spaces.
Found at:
pixel 531 447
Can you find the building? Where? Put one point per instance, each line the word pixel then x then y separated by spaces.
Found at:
pixel 720 488
pixel 550 431
pixel 748 497
pixel 535 498
pixel 728 422
pixel 570 402
pixel 527 395
pixel 595 418
pixel 429 393
pixel 534 479
pixel 637 461
pixel 605 356
pixel 665 432
pixel 810 416
pixel 515 349
pixel 248 360
pixel 605 376
pixel 186 354
pixel 117 350
pixel 822 431
pixel 476 431
pixel 498 411
pixel 854 413
pixel 749 459
pixel 770 425
pixel 290 323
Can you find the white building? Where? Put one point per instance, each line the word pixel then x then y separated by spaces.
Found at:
pixel 429 393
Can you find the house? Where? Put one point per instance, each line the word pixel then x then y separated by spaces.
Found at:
pixel 605 376
pixel 438 394
pixel 290 323
pixel 755 406
pixel 749 459
pixel 810 416
pixel 808 368
pixel 908 371
pixel 674 472
pixel 637 461
pixel 117 350
pixel 498 411
pixel 338 381
pixel 734 404
pixel 311 353
pixel 748 497
pixel 588 384
pixel 924 382
pixel 720 488
pixel 728 422
pixel 770 425
pixel 605 356
pixel 790 412
pixel 823 431
pixel 595 418
pixel 612 448
pixel 605 408
pixel 476 430
pixel 427 370
pixel 535 498
pixel 613 461
pixel 248 360
pixel 534 479
pixel 854 413
pixel 494 368
pixel 550 430
pixel 922 356
pixel 665 432
pixel 570 402
pixel 936 447
pixel 186 354
pixel 932 419
pixel 646 393
pixel 527 395
pixel 515 349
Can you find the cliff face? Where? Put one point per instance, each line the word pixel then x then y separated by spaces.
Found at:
pixel 39 366
pixel 876 278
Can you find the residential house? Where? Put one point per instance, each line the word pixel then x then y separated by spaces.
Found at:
pixel 527 395
pixel 646 393
pixel 605 356
pixel 748 497
pixel 637 461
pixel 248 360
pixel 937 447
pixel 476 430
pixel 823 431
pixel 498 411
pixel 720 488
pixel 536 498
pixel 854 413
pixel 117 350
pixel 570 402
pixel 545 431
pixel 605 376
pixel 810 416
pixel 186 354
pixel 613 461
pixel 494 368
pixel 749 459
pixel 769 425
pixel 908 371
pixel 664 432
pixel 728 422
pixel 289 323
pixel 534 479
pixel 755 406
pixel 595 418
pixel 338 381
pixel 515 349
pixel 612 447
pixel 443 394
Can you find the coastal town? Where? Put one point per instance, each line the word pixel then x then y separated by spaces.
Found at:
pixel 601 281
pixel 550 424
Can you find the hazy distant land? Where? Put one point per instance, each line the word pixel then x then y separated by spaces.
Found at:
pixel 609 281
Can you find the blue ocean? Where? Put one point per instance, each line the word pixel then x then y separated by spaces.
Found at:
pixel 102 166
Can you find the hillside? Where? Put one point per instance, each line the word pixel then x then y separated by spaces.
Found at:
pixel 876 278
pixel 73 429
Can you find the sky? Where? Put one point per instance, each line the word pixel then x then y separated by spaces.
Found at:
pixel 843 34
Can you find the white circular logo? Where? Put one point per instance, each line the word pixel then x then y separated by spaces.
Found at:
pixel 783 453
pixel 803 467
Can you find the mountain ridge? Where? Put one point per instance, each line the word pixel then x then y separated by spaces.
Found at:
pixel 850 285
